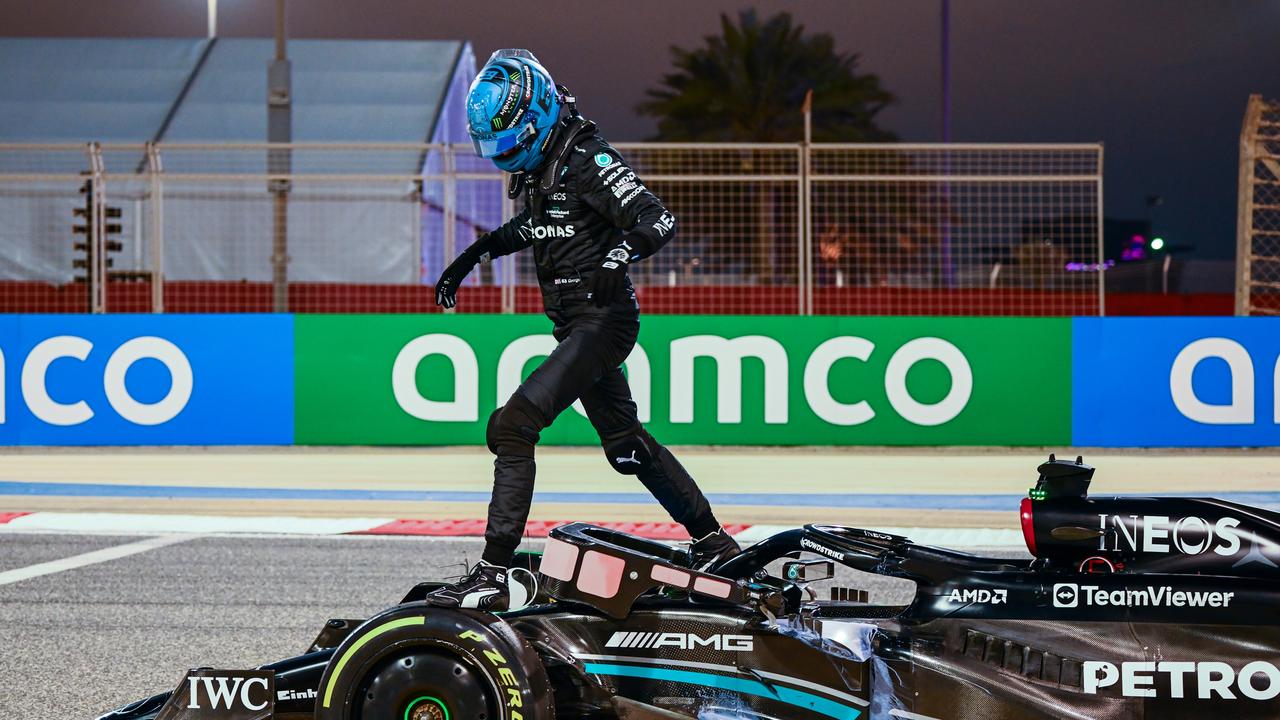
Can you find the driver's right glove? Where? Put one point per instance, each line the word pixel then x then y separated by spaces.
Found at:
pixel 452 277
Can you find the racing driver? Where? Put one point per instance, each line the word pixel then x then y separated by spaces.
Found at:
pixel 587 217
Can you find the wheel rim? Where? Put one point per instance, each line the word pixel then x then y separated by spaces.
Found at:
pixel 427 708
pixel 425 685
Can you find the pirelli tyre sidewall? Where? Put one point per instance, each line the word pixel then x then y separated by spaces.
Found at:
pixel 489 647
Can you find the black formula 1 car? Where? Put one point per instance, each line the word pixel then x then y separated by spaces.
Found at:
pixel 1130 608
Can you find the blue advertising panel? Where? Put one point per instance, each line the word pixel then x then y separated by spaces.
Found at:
pixel 1176 381
pixel 229 379
pixel 146 379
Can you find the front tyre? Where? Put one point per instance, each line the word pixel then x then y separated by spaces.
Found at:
pixel 418 662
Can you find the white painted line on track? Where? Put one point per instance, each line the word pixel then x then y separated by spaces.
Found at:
pixel 260 536
pixel 199 524
pixel 163 524
pixel 91 558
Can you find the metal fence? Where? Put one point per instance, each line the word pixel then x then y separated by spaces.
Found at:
pixel 1258 225
pixel 764 228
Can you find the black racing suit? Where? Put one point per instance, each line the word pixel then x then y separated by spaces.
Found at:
pixel 578 207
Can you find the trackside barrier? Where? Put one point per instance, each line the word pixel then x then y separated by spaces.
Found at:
pixel 146 380
pixel 434 379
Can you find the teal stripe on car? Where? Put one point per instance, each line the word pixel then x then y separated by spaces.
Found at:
pixel 798 698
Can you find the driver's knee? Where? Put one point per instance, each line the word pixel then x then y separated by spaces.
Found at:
pixel 630 451
pixel 515 428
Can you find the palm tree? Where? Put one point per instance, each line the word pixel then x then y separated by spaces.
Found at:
pixel 747 84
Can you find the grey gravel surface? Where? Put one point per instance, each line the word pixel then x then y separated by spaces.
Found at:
pixel 80 642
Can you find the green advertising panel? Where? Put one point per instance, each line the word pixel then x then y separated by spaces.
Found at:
pixel 434 379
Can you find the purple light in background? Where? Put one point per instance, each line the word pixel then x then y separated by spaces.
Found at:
pixel 1137 249
pixel 1089 267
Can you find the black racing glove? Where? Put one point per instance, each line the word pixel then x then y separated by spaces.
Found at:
pixel 452 277
pixel 611 277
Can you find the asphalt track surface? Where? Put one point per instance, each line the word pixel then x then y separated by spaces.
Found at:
pixel 97 631
pixel 80 641
pixel 85 640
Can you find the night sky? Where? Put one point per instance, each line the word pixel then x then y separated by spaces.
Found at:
pixel 1162 82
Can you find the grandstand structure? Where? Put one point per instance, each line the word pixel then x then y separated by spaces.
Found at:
pixel 197 216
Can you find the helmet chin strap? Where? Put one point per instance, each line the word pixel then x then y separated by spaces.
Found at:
pixel 515 184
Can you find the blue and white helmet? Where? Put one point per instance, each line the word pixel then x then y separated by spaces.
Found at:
pixel 512 107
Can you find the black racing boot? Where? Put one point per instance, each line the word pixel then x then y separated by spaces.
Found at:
pixel 484 589
pixel 712 549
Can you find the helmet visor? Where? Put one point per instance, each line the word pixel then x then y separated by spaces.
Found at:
pixel 489 144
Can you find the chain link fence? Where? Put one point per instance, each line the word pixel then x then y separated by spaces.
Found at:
pixel 44 199
pixel 1258 226
pixel 764 229
pixel 956 229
